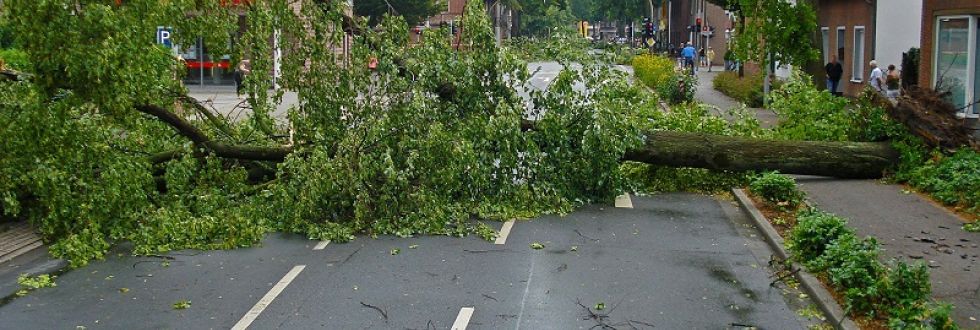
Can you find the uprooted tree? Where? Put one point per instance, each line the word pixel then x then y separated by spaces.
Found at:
pixel 102 143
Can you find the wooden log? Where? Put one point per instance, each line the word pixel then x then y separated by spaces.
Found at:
pixel 835 159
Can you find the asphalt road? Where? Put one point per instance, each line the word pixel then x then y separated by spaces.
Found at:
pixel 672 261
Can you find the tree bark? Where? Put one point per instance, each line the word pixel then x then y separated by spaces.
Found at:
pixel 854 160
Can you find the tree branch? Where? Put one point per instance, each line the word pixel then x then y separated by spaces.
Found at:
pixel 201 140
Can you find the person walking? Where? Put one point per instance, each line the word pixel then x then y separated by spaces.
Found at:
pixel 711 57
pixel 892 82
pixel 834 73
pixel 701 56
pixel 877 79
pixel 243 69
pixel 688 54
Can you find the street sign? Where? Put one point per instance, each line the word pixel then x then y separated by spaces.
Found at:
pixel 163 37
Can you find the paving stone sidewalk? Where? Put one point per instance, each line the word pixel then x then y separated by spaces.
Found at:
pixel 909 226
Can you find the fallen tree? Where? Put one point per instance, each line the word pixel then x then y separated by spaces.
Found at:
pixel 852 160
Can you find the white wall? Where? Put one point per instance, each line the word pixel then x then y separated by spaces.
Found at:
pixel 898 28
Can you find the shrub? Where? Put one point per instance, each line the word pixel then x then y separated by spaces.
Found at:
pixel 14 59
pixel 908 285
pixel 746 89
pixel 777 190
pixel 814 231
pixel 806 113
pixel 923 315
pixel 852 266
pixel 953 179
pixel 658 73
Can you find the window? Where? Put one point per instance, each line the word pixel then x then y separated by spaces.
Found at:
pixel 955 57
pixel 825 38
pixel 840 43
pixel 857 62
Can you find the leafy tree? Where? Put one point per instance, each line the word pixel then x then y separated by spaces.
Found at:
pixel 102 144
pixel 414 11
pixel 775 31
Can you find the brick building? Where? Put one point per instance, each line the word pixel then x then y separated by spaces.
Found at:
pixel 847 30
pixel 949 55
pixel 685 13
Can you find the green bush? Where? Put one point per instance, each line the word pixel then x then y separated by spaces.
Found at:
pixel 825 246
pixel 852 266
pixel 777 190
pixel 922 316
pixel 908 284
pixel 952 179
pixel 806 113
pixel 746 89
pixel 14 59
pixel 660 74
pixel 814 231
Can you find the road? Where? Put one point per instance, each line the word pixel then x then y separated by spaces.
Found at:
pixel 671 261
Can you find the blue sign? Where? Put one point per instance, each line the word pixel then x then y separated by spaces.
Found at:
pixel 163 37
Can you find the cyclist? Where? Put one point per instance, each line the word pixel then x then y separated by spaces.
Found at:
pixel 688 54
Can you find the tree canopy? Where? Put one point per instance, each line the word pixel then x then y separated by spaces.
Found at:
pixel 102 143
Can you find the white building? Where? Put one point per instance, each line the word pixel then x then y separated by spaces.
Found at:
pixel 898 27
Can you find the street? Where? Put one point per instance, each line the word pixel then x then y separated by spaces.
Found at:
pixel 672 261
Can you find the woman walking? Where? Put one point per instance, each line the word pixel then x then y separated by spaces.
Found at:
pixel 892 82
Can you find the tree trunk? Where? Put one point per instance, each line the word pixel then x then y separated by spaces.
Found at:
pixel 835 159
pixel 680 149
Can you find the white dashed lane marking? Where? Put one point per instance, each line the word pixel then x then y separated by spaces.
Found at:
pixel 463 319
pixel 321 245
pixel 267 299
pixel 504 231
pixel 624 201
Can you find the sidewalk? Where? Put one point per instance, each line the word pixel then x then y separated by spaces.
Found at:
pixel 722 103
pixel 224 101
pixel 908 226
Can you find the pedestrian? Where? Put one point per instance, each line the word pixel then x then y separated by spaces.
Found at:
pixel 877 79
pixel 688 54
pixel 701 56
pixel 241 71
pixel 892 82
pixel 711 57
pixel 834 73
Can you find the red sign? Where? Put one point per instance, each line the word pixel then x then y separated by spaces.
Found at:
pixel 195 64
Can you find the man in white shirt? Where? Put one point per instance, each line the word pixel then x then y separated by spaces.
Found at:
pixel 877 79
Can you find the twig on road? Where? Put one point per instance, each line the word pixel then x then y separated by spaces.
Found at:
pixel 586 237
pixel 383 313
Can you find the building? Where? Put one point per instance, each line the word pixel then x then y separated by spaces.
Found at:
pixel 503 19
pixel 847 31
pixel 950 59
pixel 898 26
pixel 684 16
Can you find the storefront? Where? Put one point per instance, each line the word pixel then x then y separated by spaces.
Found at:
pixel 205 68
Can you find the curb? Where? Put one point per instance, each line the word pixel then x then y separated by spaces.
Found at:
pixel 19 240
pixel 811 285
